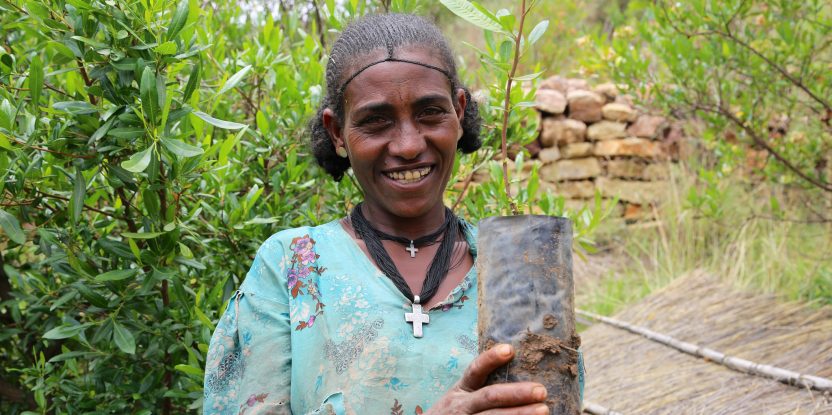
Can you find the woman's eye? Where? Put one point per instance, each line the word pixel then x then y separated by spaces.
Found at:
pixel 373 120
pixel 433 111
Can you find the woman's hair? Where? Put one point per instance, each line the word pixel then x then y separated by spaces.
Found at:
pixel 348 55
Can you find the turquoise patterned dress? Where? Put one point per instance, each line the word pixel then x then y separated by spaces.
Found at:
pixel 317 328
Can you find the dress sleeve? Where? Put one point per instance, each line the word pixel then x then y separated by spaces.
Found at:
pixel 248 367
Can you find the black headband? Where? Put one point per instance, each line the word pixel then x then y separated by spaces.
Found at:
pixel 392 59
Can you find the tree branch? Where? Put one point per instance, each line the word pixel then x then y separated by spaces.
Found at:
pixel 75 156
pixel 796 82
pixel 87 80
pixel 724 112
pixel 507 104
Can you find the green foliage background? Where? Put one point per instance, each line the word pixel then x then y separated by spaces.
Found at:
pixel 147 148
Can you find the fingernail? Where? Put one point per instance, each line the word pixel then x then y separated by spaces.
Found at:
pixel 539 393
pixel 542 410
pixel 504 350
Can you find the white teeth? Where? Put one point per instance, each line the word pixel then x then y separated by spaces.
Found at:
pixel 409 176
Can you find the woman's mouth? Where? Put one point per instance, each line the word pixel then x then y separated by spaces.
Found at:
pixel 409 176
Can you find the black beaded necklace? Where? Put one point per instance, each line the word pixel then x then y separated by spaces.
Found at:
pixel 439 266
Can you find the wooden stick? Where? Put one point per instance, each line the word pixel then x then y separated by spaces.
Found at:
pixel 595 409
pixel 782 375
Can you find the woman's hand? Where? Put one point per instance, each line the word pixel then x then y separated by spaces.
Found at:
pixel 469 396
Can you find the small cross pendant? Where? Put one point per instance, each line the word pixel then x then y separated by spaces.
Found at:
pixel 417 318
pixel 412 249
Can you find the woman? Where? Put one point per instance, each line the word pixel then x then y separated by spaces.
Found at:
pixel 374 313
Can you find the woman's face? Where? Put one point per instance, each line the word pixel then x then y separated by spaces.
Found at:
pixel 400 128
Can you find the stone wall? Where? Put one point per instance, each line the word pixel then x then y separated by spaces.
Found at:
pixel 592 138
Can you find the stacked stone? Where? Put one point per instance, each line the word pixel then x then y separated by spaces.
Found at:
pixel 593 138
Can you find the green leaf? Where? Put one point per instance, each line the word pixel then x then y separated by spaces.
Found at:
pixel 263 123
pixel 65 331
pixel 142 235
pixel 234 80
pixel 180 17
pixel 528 77
pixel 37 9
pixel 139 161
pixel 190 370
pixel 116 275
pixel 204 319
pixel 193 81
pixel 75 107
pixel 91 42
pixel 524 104
pixel 505 50
pixel 5 143
pixel 181 148
pixel 167 48
pixel 149 95
pixel 71 355
pixel 11 227
pixel 469 12
pixel 35 82
pixel 150 200
pixel 123 338
pixel 7 114
pixel 79 4
pixel 227 125
pixel 79 191
pixel 127 132
pixel 538 31
pixel 99 133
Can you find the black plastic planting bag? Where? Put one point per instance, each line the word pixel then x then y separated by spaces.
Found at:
pixel 526 298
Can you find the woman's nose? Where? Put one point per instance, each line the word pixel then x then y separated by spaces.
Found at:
pixel 409 143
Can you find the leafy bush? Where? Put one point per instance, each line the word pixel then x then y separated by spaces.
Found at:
pixel 756 72
pixel 148 148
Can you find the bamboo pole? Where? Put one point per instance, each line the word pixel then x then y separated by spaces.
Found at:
pixel 782 375
pixel 595 409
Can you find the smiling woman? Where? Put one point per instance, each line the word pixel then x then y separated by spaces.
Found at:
pixel 331 318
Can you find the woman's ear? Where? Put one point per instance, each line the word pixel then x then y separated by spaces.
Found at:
pixel 333 127
pixel 460 102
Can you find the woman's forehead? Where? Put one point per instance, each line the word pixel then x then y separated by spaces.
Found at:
pixel 391 77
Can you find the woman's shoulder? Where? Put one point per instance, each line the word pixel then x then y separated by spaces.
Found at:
pixel 284 240
pixel 279 253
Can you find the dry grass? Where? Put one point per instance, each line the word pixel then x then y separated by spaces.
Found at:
pixel 741 243
pixel 631 374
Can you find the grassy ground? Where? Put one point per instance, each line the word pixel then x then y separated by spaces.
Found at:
pixel 788 254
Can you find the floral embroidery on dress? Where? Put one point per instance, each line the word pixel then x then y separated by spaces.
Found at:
pixel 251 401
pixel 456 304
pixel 397 409
pixel 343 354
pixel 303 264
pixel 467 343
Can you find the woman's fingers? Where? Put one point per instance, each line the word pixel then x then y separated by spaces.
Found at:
pixel 482 366
pixel 535 409
pixel 506 395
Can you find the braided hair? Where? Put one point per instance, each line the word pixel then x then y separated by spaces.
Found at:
pixel 367 35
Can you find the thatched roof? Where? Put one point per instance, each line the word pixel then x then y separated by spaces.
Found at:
pixel 633 375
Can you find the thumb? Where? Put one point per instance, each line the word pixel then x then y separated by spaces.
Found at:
pixel 482 366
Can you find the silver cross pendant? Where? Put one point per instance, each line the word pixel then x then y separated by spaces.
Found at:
pixel 417 318
pixel 412 249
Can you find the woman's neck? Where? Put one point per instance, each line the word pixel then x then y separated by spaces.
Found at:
pixel 408 227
